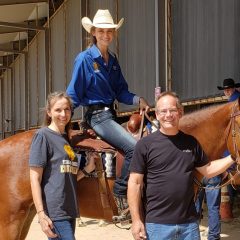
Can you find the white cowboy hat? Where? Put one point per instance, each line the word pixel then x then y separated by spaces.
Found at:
pixel 102 19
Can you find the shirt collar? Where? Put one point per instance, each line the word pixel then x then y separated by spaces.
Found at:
pixel 234 96
pixel 95 52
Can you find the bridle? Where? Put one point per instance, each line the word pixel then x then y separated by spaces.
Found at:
pixel 235 130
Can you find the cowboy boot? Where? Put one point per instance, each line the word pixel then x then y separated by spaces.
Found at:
pixel 124 216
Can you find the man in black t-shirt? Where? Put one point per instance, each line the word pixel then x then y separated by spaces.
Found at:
pixel 163 163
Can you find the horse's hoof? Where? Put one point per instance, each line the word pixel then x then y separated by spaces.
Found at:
pixel 102 223
pixel 80 223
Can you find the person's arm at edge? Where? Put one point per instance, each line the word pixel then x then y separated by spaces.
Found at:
pixel 216 167
pixel 44 220
pixel 135 183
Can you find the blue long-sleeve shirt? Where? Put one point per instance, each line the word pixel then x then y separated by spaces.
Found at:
pixel 94 82
pixel 234 96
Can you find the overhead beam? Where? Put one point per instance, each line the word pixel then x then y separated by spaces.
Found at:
pixel 4 30
pixel 12 51
pixel 5 67
pixel 13 2
pixel 21 26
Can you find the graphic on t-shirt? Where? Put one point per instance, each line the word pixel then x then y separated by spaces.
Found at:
pixel 69 166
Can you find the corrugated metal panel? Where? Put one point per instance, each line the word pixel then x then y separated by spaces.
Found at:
pixel 18 113
pixel 7 88
pixel 205 45
pixel 137 47
pixel 58 50
pixel 19 92
pixel 41 76
pixel 33 83
pixel 22 92
pixel 94 5
pixel 73 40
pixel 1 109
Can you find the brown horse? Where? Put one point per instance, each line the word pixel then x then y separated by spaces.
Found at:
pixel 214 128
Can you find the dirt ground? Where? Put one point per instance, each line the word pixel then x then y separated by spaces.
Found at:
pixel 92 231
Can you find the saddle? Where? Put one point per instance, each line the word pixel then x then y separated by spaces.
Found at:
pixel 85 139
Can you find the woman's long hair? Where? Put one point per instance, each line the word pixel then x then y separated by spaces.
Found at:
pixel 92 39
pixel 51 100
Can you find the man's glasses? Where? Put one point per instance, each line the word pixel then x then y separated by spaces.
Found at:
pixel 165 111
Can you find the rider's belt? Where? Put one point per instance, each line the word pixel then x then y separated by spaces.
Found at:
pixel 100 106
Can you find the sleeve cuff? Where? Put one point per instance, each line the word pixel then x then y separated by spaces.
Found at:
pixel 136 100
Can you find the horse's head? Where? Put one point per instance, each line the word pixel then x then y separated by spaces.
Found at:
pixel 233 131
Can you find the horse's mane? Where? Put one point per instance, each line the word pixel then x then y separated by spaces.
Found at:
pixel 195 118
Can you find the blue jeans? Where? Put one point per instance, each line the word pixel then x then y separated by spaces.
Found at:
pixel 108 129
pixel 213 198
pixel 186 231
pixel 65 229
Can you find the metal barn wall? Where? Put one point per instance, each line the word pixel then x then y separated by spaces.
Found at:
pixel 19 92
pixel 136 43
pixel 7 98
pixel 58 50
pixel 41 73
pixel 135 46
pixel 1 109
pixel 33 83
pixel 206 45
pixel 66 43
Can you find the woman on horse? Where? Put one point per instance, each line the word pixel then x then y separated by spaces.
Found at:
pixel 97 81
pixel 54 168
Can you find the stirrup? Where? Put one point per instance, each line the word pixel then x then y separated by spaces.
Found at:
pixel 124 216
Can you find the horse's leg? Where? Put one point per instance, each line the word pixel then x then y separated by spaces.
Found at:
pixel 27 222
pixel 11 225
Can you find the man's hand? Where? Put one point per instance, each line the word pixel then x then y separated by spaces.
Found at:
pixel 138 230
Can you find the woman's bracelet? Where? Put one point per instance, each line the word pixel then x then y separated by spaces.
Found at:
pixel 40 211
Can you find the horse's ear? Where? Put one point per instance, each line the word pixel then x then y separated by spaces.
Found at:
pixel 181 111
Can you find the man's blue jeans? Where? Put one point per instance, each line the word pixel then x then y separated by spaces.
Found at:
pixel 65 229
pixel 213 198
pixel 186 231
pixel 108 129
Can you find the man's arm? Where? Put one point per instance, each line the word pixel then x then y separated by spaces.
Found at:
pixel 135 184
pixel 216 167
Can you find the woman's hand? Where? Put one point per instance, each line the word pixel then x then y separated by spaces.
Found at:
pixel 46 225
pixel 143 105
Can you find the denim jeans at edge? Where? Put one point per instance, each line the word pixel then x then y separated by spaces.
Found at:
pixel 104 124
pixel 213 199
pixel 186 231
pixel 65 229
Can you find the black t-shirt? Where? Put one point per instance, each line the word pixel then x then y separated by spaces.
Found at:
pixel 51 151
pixel 167 163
